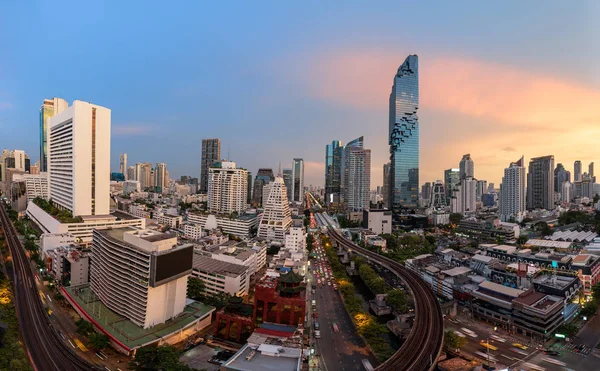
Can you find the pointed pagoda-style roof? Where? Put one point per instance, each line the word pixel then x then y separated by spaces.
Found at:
pixel 291 277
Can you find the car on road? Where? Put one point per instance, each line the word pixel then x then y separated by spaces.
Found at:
pixel 316 325
pixel 520 346
pixel 471 333
pixel 497 338
pixel 317 334
pixel 315 315
pixel 552 352
pixel 335 327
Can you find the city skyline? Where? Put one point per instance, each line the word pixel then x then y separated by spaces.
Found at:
pixel 508 95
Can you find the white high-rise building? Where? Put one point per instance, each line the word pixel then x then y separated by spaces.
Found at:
pixel 464 198
pixel 467 167
pixel 276 219
pixel 123 165
pixel 566 191
pixel 297 180
pixel 227 188
pixel 512 192
pixel 131 175
pixel 358 186
pixel 140 274
pixel 79 159
pixel 36 185
pixel 161 179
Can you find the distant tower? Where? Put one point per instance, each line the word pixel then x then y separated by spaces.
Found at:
pixel 297 180
pixel 276 219
pixel 467 167
pixel 577 171
pixel 123 165
pixel 49 108
pixel 211 153
pixel 438 194
pixel 540 183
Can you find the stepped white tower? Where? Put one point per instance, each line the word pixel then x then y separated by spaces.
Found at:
pixel 276 219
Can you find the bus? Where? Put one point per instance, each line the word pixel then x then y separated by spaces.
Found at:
pixel 367 365
pixel 487 345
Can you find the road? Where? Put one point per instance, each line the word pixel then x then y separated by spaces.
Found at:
pixel 46 350
pixel 343 350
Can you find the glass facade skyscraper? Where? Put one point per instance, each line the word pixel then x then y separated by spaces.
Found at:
pixel 404 137
pixel 333 175
pixel 49 108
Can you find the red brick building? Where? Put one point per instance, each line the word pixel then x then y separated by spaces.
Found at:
pixel 280 300
pixel 234 322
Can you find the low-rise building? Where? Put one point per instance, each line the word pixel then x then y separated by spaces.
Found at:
pixel 139 211
pixel 171 221
pixel 50 241
pixel 487 230
pixel 131 186
pixel 378 221
pixel 221 276
pixel 242 226
pixel 192 231
pixel 69 266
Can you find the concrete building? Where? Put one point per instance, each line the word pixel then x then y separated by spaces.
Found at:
pixel 276 219
pixel 451 179
pixel 69 266
pixel 49 108
pixel 333 172
pixel 50 241
pixel 131 186
pixel 466 167
pixel 123 164
pixel 566 194
pixel 220 276
pixel 295 239
pixel 211 153
pixel 540 183
pixel 561 175
pixel 577 173
pixel 171 221
pixel 386 185
pixel 297 180
pixel 253 256
pixel 192 231
pixel 12 162
pixel 378 221
pixel 464 198
pixel 161 177
pixel 150 291
pixel 227 188
pixel 358 176
pixel 512 192
pixel 264 176
pixel 79 159
pixel 240 225
pixel 131 173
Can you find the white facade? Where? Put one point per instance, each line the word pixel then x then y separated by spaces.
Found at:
pixel 464 198
pixel 192 231
pixel 139 211
pixel 69 262
pixel 379 221
pixel 227 188
pixel 120 275
pixel 131 186
pixel 240 226
pixel 79 159
pixel 466 167
pixel 161 180
pixel 171 221
pixel 50 241
pixel 276 219
pixel 220 276
pixel 512 192
pixel 358 186
pixel 36 186
pixel 566 194
pixel 295 239
pixel 123 164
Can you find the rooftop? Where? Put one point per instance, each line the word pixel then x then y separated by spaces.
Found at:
pixel 491 286
pixel 265 358
pixel 549 243
pixel 207 264
pixel 457 271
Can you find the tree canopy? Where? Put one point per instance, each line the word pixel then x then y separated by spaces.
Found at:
pixel 163 358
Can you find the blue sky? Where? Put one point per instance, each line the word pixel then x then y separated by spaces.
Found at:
pixel 278 80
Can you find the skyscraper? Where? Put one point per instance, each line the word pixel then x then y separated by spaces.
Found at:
pixel 249 197
pixel 577 171
pixel 49 108
pixel 561 175
pixel 512 192
pixel 404 137
pixel 123 164
pixel 481 189
pixel 227 188
pixel 79 159
pixel 386 185
pixel 591 171
pixel 287 180
pixel 466 167
pixel 358 175
pixel 540 183
pixel 276 219
pixel 131 173
pixel 426 194
pixel 333 167
pixel 298 180
pixel 161 179
pixel 211 152
pixel 264 176
pixel 451 179
pixel 464 196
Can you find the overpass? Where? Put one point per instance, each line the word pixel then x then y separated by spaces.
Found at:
pixel 424 343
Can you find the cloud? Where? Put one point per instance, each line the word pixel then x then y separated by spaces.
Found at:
pixel 509 149
pixel 132 129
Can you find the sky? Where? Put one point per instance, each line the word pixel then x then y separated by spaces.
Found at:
pixel 276 80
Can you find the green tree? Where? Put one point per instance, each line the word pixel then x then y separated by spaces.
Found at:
pixel 521 240
pixel 596 291
pixel 309 242
pixel 453 341
pixel 455 218
pixel 590 308
pixel 84 327
pixel 158 359
pixel 596 198
pixel 98 341
pixel 195 288
pixel 397 300
pixel 568 329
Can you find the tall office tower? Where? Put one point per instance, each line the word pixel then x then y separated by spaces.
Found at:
pixel 333 175
pixel 161 180
pixel 464 196
pixel 298 180
pixel 438 195
pixel 79 159
pixel 131 173
pixel 358 185
pixel 512 192
pixel 591 171
pixel 249 188
pixel 426 193
pixel 566 192
pixel 140 274
pixel 287 180
pixel 123 164
pixel 540 183
pixel 227 188
pixel 491 188
pixel 404 137
pixel 386 185
pixel 481 189
pixel 561 175
pixel 263 176
pixel 356 143
pixel 466 167
pixel 577 171
pixel 211 152
pixel 276 219
pixel 49 108
pixel 145 175
pixel 451 179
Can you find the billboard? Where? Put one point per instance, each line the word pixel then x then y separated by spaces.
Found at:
pixel 171 265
